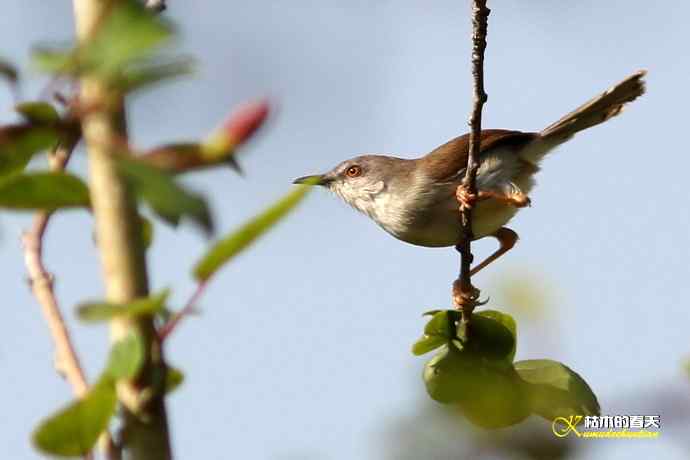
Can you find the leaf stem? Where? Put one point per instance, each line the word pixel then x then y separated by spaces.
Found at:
pixel 189 307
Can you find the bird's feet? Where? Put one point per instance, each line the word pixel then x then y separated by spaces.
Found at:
pixel 465 197
pixel 517 199
pixel 468 199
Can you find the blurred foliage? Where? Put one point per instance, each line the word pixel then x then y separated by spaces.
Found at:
pixel 474 371
pixel 528 294
pixel 124 53
pixel 168 200
pixel 239 240
pixel 126 356
pixel 105 311
pixel 19 143
pixel 443 433
pixel 43 190
pixel 72 431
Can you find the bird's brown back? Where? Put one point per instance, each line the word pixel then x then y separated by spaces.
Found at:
pixel 448 159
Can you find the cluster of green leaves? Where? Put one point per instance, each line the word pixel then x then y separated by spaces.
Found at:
pixel 475 371
pixel 74 429
pixel 124 53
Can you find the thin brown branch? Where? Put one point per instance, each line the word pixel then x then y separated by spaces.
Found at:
pixel 66 360
pixel 465 295
pixel 41 281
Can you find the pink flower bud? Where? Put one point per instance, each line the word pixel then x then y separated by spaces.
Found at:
pixel 246 119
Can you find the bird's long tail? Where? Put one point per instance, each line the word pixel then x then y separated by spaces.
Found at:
pixel 597 110
pixel 606 105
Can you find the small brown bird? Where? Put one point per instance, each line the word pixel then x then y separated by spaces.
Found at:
pixel 416 200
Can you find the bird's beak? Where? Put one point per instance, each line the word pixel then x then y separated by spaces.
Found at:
pixel 318 179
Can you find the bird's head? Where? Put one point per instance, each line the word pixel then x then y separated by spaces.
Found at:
pixel 360 180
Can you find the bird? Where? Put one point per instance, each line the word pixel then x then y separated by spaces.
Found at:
pixel 417 200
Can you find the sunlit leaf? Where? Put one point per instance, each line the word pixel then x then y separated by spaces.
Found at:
pixel 556 390
pixel 225 249
pixel 166 198
pixel 428 343
pixel 43 190
pixel 489 396
pixel 442 324
pixel 126 356
pixel 73 431
pixel 105 311
pixel 38 112
pixel 19 143
pixel 494 397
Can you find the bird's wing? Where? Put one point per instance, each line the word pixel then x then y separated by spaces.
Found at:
pixel 449 159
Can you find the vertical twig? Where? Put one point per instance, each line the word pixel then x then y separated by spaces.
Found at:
pixel 465 295
pixel 41 282
pixel 66 360
pixel 145 432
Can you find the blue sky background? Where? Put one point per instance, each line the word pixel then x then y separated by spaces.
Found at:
pixel 302 351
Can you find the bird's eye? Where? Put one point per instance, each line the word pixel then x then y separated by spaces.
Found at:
pixel 353 171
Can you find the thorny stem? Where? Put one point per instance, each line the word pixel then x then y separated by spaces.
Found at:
pixel 465 295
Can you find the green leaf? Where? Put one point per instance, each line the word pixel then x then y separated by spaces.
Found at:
pixel 43 190
pixel 488 396
pixel 556 390
pixel 128 33
pixel 19 143
pixel 442 324
pixel 490 339
pixel 73 431
pixel 237 241
pixel 506 320
pixel 438 331
pixel 126 357
pixel 427 343
pixel 140 76
pixel 166 198
pixel 105 311
pixel 173 379
pixel 38 112
pixel 55 60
